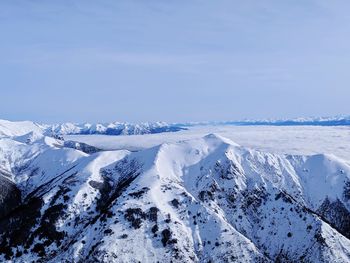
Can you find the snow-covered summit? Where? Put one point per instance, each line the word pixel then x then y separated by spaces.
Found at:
pixel 10 128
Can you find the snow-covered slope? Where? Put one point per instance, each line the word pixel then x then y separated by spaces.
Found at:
pixel 207 199
pixel 9 128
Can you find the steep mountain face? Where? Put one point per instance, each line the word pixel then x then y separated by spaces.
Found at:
pixel 202 200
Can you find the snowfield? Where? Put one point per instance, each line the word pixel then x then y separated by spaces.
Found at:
pixel 207 194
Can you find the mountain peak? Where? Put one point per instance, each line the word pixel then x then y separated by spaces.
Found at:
pixel 196 200
pixel 218 138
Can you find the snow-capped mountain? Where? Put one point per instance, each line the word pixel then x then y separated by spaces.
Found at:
pixel 206 199
pixel 8 128
pixel 115 128
pixel 311 121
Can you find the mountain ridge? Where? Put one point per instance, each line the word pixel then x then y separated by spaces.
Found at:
pixel 198 200
pixel 9 128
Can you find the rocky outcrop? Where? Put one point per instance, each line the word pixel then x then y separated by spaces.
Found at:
pixel 10 195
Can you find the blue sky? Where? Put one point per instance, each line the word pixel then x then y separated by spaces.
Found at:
pixel 175 60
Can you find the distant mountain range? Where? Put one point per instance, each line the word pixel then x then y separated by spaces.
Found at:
pixel 8 128
pixel 114 128
pixel 317 121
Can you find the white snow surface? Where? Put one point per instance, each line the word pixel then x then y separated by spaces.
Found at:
pixel 10 128
pixel 209 194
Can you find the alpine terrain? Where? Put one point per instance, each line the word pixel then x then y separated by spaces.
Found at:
pixel 205 199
